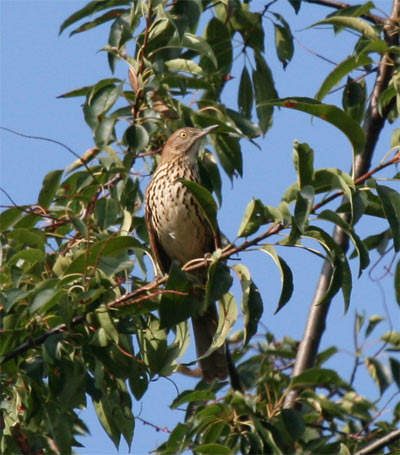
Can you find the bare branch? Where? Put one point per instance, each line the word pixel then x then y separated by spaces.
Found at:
pixel 382 442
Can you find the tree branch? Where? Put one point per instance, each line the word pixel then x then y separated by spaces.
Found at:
pixel 373 125
pixel 382 442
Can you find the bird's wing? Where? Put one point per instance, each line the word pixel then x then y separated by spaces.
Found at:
pixel 161 256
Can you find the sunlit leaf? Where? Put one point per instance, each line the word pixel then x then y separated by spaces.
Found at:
pixel 357 24
pixel 254 217
pixel 379 373
pixel 341 70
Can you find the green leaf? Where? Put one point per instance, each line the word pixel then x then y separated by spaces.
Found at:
pixel 205 200
pixel 104 411
pixel 361 249
pixel 264 89
pixel 212 449
pixel 229 154
pixel 330 114
pixel 11 216
pixel 341 70
pixel 46 299
pixel 103 134
pixel 136 137
pixel 357 24
pixel 254 217
pixel 317 377
pixel 245 93
pixel 98 102
pixel 30 237
pixel 50 186
pixel 379 373
pixel 30 255
pixel 120 33
pixel 200 46
pixel 246 127
pixel 395 368
pixel 374 320
pixel 189 396
pixel 177 65
pixel 106 211
pixel 178 305
pixel 286 276
pixel 303 158
pixel 250 26
pixel 283 41
pixel 397 282
pixel 89 9
pixel 219 38
pixel 354 99
pixel 341 274
pixel 344 450
pixel 294 423
pixel 391 206
pixel 304 203
pixel 107 323
pixel 108 16
pixel 219 281
pixel 252 305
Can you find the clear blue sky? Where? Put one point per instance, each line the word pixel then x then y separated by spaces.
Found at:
pixel 37 66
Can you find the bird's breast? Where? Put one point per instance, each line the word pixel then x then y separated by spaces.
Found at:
pixel 177 219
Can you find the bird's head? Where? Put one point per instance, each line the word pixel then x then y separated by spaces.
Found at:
pixel 185 142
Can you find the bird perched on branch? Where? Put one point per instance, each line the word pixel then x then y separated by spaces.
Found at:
pixel 180 232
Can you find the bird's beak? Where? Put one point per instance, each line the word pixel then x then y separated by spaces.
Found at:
pixel 208 130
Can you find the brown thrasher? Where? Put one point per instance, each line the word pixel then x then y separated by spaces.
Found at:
pixel 180 232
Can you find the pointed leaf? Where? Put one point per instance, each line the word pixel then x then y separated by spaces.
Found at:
pixel 391 206
pixel 178 305
pixel 303 158
pixel 330 114
pixel 354 23
pixel 362 251
pixel 50 186
pixel 252 305
pixel 245 93
pixel 347 66
pixel 379 373
pixel 254 217
pixel 397 282
pixel 304 203
pixel 89 9
pixel 264 89
pixel 219 281
pixel 286 276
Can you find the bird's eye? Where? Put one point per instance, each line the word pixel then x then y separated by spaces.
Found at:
pixel 183 135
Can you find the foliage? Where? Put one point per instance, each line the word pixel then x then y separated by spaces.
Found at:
pixel 83 317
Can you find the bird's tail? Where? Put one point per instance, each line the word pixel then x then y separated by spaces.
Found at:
pixel 215 365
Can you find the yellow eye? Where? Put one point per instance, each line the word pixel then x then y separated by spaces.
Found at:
pixel 183 135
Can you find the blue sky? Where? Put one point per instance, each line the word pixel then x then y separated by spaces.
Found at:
pixel 37 65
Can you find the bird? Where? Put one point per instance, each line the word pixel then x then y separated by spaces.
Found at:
pixel 179 232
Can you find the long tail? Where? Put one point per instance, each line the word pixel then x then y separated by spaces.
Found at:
pixel 215 365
